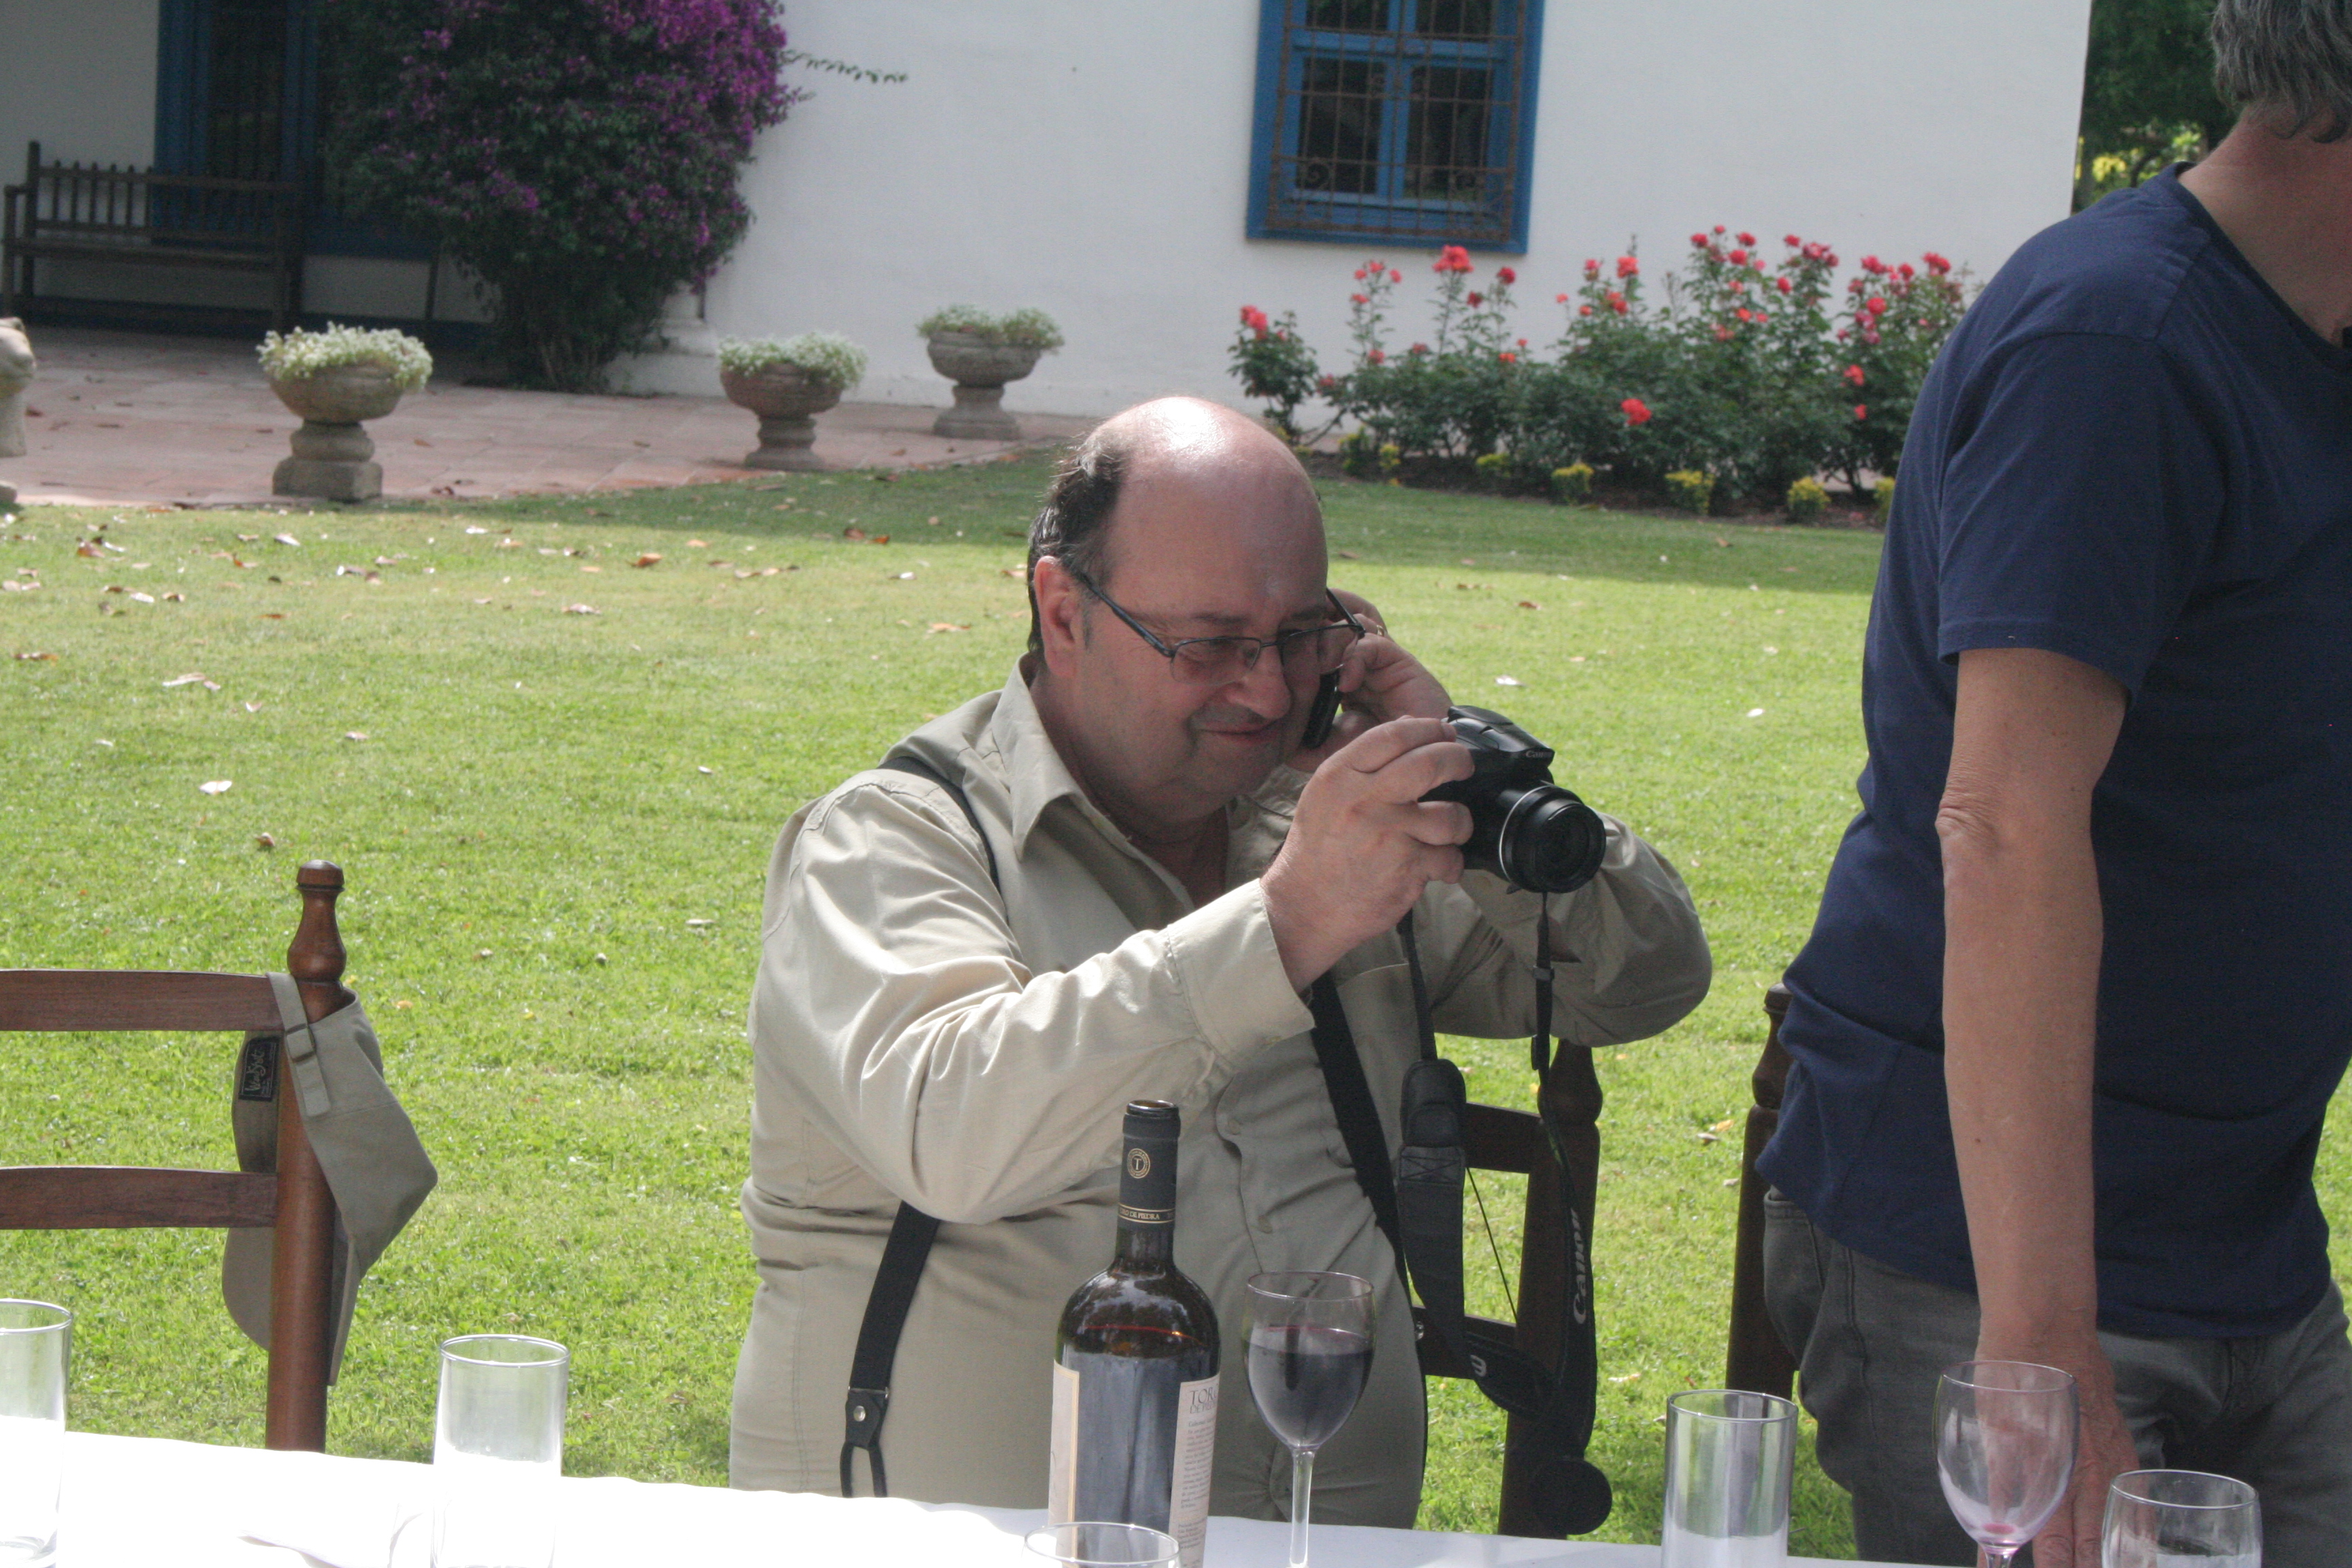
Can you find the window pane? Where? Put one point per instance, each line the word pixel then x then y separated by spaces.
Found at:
pixel 249 68
pixel 1454 19
pixel 1350 15
pixel 1445 135
pixel 1339 117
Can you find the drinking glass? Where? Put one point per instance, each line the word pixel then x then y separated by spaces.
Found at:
pixel 2004 1449
pixel 1729 1458
pixel 1310 1351
pixel 1087 1543
pixel 2181 1518
pixel 35 1337
pixel 497 1451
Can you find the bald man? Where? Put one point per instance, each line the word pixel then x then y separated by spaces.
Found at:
pixel 1170 870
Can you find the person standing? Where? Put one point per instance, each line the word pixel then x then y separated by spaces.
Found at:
pixel 2080 989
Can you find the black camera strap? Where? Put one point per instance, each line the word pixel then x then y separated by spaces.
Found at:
pixel 1419 1207
pixel 903 1256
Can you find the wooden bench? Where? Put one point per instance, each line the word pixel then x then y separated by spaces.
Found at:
pixel 81 212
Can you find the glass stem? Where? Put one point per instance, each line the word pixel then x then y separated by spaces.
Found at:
pixel 1999 1556
pixel 1302 1490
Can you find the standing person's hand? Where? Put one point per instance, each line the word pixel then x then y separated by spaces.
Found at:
pixel 1380 682
pixel 1363 845
pixel 2103 1451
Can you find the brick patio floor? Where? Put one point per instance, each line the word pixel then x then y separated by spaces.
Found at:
pixel 124 419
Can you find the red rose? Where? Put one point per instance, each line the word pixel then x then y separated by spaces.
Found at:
pixel 1862 411
pixel 1507 357
pixel 1377 357
pixel 1740 259
pixel 1906 270
pixel 1718 228
pixel 1505 276
pixel 1592 270
pixel 1617 301
pixel 1358 300
pixel 1327 382
pixel 1394 276
pixel 1698 240
pixel 1747 238
pixel 1875 305
pixel 1742 313
pixel 1853 373
pixel 1452 258
pixel 1559 299
pixel 1722 334
pixel 1360 274
pixel 1523 342
pixel 1580 309
pixel 1418 349
pixel 1790 240
pixel 1785 285
pixel 1628 267
pixel 1636 412
pixel 1253 318
pixel 1476 299
pixel 1829 257
pixel 1936 264
pixel 1870 336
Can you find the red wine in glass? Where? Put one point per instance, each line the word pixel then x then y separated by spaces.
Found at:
pixel 1310 1351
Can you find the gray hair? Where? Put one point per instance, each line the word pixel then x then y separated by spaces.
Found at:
pixel 1073 525
pixel 2287 60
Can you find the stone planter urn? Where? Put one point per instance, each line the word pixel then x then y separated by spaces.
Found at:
pixel 980 370
pixel 787 399
pixel 334 459
pixel 17 366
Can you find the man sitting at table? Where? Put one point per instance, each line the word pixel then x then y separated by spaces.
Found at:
pixel 1174 871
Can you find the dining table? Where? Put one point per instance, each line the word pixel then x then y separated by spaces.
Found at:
pixel 144 1502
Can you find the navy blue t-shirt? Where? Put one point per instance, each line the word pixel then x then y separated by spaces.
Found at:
pixel 2133 452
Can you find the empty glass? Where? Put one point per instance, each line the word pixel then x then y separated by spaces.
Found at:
pixel 2004 1449
pixel 1087 1543
pixel 35 1337
pixel 1310 1355
pixel 2181 1518
pixel 1729 1457
pixel 497 1451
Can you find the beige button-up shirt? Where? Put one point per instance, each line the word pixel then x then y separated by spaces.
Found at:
pixel 919 1035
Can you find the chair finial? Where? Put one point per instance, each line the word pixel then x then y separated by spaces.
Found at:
pixel 316 954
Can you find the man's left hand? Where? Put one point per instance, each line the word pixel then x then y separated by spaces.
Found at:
pixel 1380 681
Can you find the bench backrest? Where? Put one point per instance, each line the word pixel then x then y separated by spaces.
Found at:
pixel 103 202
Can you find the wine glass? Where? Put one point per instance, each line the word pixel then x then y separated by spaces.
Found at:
pixel 2181 1518
pixel 2004 1449
pixel 1310 1351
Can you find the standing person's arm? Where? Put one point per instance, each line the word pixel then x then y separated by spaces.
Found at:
pixel 2032 734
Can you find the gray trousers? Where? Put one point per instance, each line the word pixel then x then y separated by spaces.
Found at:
pixel 2274 1411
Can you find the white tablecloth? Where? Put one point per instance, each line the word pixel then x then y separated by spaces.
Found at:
pixel 141 1502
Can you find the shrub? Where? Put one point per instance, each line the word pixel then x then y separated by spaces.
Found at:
pixel 1028 327
pixel 578 155
pixel 825 357
pixel 1882 495
pixel 303 352
pixel 1494 470
pixel 1572 483
pixel 1355 452
pixel 1807 500
pixel 1693 489
pixel 1391 457
pixel 1752 371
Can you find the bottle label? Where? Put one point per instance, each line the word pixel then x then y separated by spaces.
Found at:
pixel 1184 1512
pixel 1146 1180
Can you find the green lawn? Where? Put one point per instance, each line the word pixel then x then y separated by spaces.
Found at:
pixel 554 830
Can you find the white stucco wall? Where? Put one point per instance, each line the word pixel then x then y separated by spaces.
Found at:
pixel 79 79
pixel 1095 159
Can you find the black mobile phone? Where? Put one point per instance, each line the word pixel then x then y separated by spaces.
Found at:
pixel 1326 712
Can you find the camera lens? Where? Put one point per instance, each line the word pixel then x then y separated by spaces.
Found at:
pixel 1550 841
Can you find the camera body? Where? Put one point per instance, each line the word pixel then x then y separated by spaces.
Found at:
pixel 1523 827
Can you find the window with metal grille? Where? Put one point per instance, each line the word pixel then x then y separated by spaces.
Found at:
pixel 1394 118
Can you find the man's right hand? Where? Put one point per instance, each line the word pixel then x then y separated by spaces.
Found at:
pixel 1363 845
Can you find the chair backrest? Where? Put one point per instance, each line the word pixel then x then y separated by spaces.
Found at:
pixel 1756 1360
pixel 1500 1140
pixel 294 1203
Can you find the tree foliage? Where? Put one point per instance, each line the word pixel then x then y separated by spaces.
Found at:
pixel 2147 92
pixel 580 156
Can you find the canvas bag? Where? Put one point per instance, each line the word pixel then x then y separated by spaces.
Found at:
pixel 375 1164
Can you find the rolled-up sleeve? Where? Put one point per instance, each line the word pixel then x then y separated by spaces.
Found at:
pixel 892 1000
pixel 1629 958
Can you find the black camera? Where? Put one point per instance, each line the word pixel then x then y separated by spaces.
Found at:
pixel 1523 827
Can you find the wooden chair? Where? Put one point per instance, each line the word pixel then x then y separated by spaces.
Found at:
pixel 1757 1360
pixel 295 1202
pixel 1500 1140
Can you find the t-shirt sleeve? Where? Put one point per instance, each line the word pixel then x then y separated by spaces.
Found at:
pixel 2079 508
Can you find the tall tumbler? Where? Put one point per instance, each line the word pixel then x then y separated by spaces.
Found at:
pixel 497 1451
pixel 34 1340
pixel 1729 1458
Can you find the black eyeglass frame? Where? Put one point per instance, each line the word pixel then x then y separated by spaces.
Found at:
pixel 1169 651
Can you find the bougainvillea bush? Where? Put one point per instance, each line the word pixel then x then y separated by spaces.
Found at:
pixel 1752 371
pixel 578 155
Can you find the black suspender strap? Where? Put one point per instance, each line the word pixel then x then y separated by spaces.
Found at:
pixel 903 1256
pixel 1351 1102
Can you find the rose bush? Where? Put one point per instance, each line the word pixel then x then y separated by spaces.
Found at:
pixel 1753 370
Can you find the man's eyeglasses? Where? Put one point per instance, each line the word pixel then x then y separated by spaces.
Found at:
pixel 1307 653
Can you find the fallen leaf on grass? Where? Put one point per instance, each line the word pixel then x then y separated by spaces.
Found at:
pixel 649 558
pixel 592 568
pixel 472 528
pixel 90 551
pixel 580 610
pixel 248 538
pixel 1018 573
pixel 853 531
pixel 175 598
pixel 401 1004
pixel 1506 680
pixel 696 544
pixel 701 770
pixel 264 841
pixel 509 544
pixel 287 539
pixel 481 601
pixel 253 707
pixel 699 925
pixel 1347 555
pixel 1529 604
pixel 42 658
pixel 948 626
pixel 902 576
pixel 143 598
pixel 1710 1138
pixel 355 734
pixel 482 953
pixel 273 615
pixel 194 677
pixel 217 787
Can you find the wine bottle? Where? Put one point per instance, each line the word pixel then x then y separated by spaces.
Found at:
pixel 1134 1364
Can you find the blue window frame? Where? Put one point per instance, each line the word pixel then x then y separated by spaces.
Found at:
pixel 1395 120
